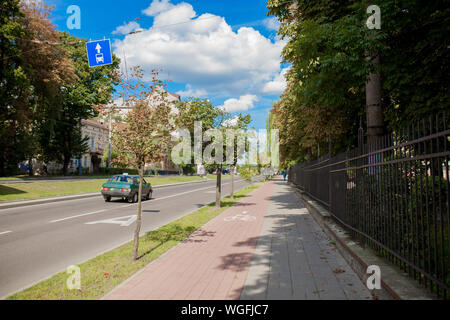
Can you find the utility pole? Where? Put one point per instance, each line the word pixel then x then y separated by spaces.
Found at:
pixel 109 139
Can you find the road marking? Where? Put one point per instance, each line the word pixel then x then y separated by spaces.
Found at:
pixel 119 221
pixel 130 205
pixel 180 194
pixel 241 217
pixel 6 232
pixel 77 216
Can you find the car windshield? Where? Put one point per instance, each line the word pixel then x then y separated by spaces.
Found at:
pixel 126 179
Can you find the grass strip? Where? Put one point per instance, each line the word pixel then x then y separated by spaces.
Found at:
pixel 41 189
pixel 103 273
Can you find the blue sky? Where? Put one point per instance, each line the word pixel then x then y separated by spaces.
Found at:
pixel 226 51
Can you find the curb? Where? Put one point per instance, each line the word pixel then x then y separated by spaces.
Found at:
pixel 395 284
pixel 25 203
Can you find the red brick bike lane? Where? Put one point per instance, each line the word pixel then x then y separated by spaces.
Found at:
pixel 212 264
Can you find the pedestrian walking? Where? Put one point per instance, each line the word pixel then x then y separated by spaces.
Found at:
pixel 284 175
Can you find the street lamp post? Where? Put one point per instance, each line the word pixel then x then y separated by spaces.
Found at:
pixel 109 140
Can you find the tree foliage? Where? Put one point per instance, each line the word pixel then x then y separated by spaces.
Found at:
pixel 146 136
pixel 327 45
pixel 46 87
pixel 195 110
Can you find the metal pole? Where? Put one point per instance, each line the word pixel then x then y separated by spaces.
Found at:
pixel 109 140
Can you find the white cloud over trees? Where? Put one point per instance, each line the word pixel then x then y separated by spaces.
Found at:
pixel 204 52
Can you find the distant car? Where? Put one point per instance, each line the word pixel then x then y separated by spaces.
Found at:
pixel 126 187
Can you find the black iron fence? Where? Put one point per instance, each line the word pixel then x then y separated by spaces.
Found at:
pixel 393 196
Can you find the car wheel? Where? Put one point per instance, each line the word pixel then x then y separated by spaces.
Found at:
pixel 107 199
pixel 149 195
pixel 135 198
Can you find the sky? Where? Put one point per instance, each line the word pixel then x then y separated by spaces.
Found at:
pixel 226 51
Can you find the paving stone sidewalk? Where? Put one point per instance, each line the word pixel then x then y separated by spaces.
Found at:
pixel 267 246
pixel 295 259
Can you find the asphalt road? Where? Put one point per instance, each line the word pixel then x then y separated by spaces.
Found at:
pixel 41 240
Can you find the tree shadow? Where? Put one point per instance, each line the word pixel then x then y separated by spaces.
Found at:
pixel 286 219
pixel 199 236
pixel 239 204
pixel 176 232
pixel 5 190
pixel 151 211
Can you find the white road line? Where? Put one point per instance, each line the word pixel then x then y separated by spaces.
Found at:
pixel 180 194
pixel 6 232
pixel 183 193
pixel 129 205
pixel 78 216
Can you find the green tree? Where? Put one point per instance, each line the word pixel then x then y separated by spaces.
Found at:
pixel 14 89
pixel 146 136
pixel 93 87
pixel 239 124
pixel 49 70
pixel 195 110
pixel 327 45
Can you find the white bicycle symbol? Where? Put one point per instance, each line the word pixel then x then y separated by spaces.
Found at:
pixel 240 217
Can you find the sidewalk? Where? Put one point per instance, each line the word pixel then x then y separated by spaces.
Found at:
pixel 265 247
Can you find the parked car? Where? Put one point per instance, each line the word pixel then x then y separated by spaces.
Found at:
pixel 126 187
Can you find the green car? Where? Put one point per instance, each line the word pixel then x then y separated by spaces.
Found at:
pixel 126 187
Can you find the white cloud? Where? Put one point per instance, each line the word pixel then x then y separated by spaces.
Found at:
pixel 190 92
pixel 277 85
pixel 244 103
pixel 271 24
pixel 157 7
pixel 127 28
pixel 205 53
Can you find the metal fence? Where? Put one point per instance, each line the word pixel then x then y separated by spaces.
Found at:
pixel 393 196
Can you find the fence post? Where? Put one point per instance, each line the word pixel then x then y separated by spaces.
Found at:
pixel 329 174
pixel 360 182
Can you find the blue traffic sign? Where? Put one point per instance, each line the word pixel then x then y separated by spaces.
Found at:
pixel 99 53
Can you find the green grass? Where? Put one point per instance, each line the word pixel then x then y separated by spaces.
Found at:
pixel 40 189
pixel 27 178
pixel 103 273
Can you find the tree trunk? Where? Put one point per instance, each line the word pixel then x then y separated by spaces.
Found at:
pixel 374 113
pixel 219 187
pixel 2 165
pixel 139 214
pixel 30 164
pixel 66 166
pixel 232 182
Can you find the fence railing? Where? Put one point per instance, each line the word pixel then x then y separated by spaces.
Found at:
pixel 393 196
